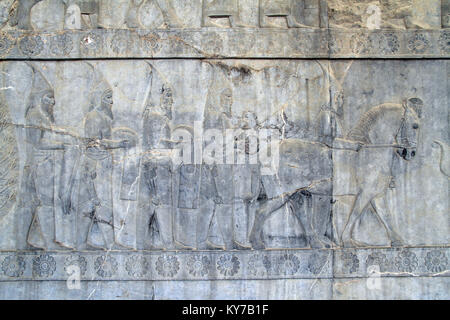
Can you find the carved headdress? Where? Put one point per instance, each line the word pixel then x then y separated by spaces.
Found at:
pixel 218 89
pixel 40 87
pixel 100 89
pixel 164 104
pixel 149 104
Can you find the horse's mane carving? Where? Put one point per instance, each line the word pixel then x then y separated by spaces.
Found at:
pixel 361 131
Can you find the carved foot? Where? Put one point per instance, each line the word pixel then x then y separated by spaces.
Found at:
pixel 346 242
pixel 179 246
pixel 314 243
pixel 158 248
pixel 327 242
pixel 359 244
pixel 397 243
pixel 240 246
pixel 319 242
pixel 206 245
pixel 256 243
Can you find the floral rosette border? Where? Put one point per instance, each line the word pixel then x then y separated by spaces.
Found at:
pixel 223 265
pixel 204 43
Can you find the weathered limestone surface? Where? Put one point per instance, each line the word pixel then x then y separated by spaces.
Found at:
pixel 244 149
pixel 400 14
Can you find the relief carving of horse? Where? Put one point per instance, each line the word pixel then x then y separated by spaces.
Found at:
pixel 382 133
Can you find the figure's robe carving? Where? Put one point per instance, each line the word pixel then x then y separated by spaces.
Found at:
pixel 40 168
pixel 96 195
pixel 156 184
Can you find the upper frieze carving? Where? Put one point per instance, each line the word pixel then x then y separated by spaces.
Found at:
pixel 57 15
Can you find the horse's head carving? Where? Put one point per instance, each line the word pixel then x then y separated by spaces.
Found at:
pixel 408 134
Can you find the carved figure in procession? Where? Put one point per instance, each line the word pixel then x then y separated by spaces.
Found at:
pixel 136 18
pixel 156 186
pixel 301 187
pixel 382 133
pixel 39 170
pixel 81 14
pixel 236 184
pixel 89 13
pixel 133 14
pixel 398 15
pixel 95 196
pixel 21 18
pixel 221 119
pixel 35 14
pixel 246 178
pixel 196 193
pixel 328 125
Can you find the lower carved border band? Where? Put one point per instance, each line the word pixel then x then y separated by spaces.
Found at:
pixel 225 265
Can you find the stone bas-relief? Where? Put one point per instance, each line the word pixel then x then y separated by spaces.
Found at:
pixel 109 175
pixel 315 174
pixel 93 175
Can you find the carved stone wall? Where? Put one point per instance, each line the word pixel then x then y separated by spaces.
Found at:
pixel 245 149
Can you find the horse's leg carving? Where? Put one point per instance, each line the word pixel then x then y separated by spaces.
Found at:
pixel 361 202
pixel 311 218
pixel 261 216
pixel 386 219
pixel 321 213
pixel 304 213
